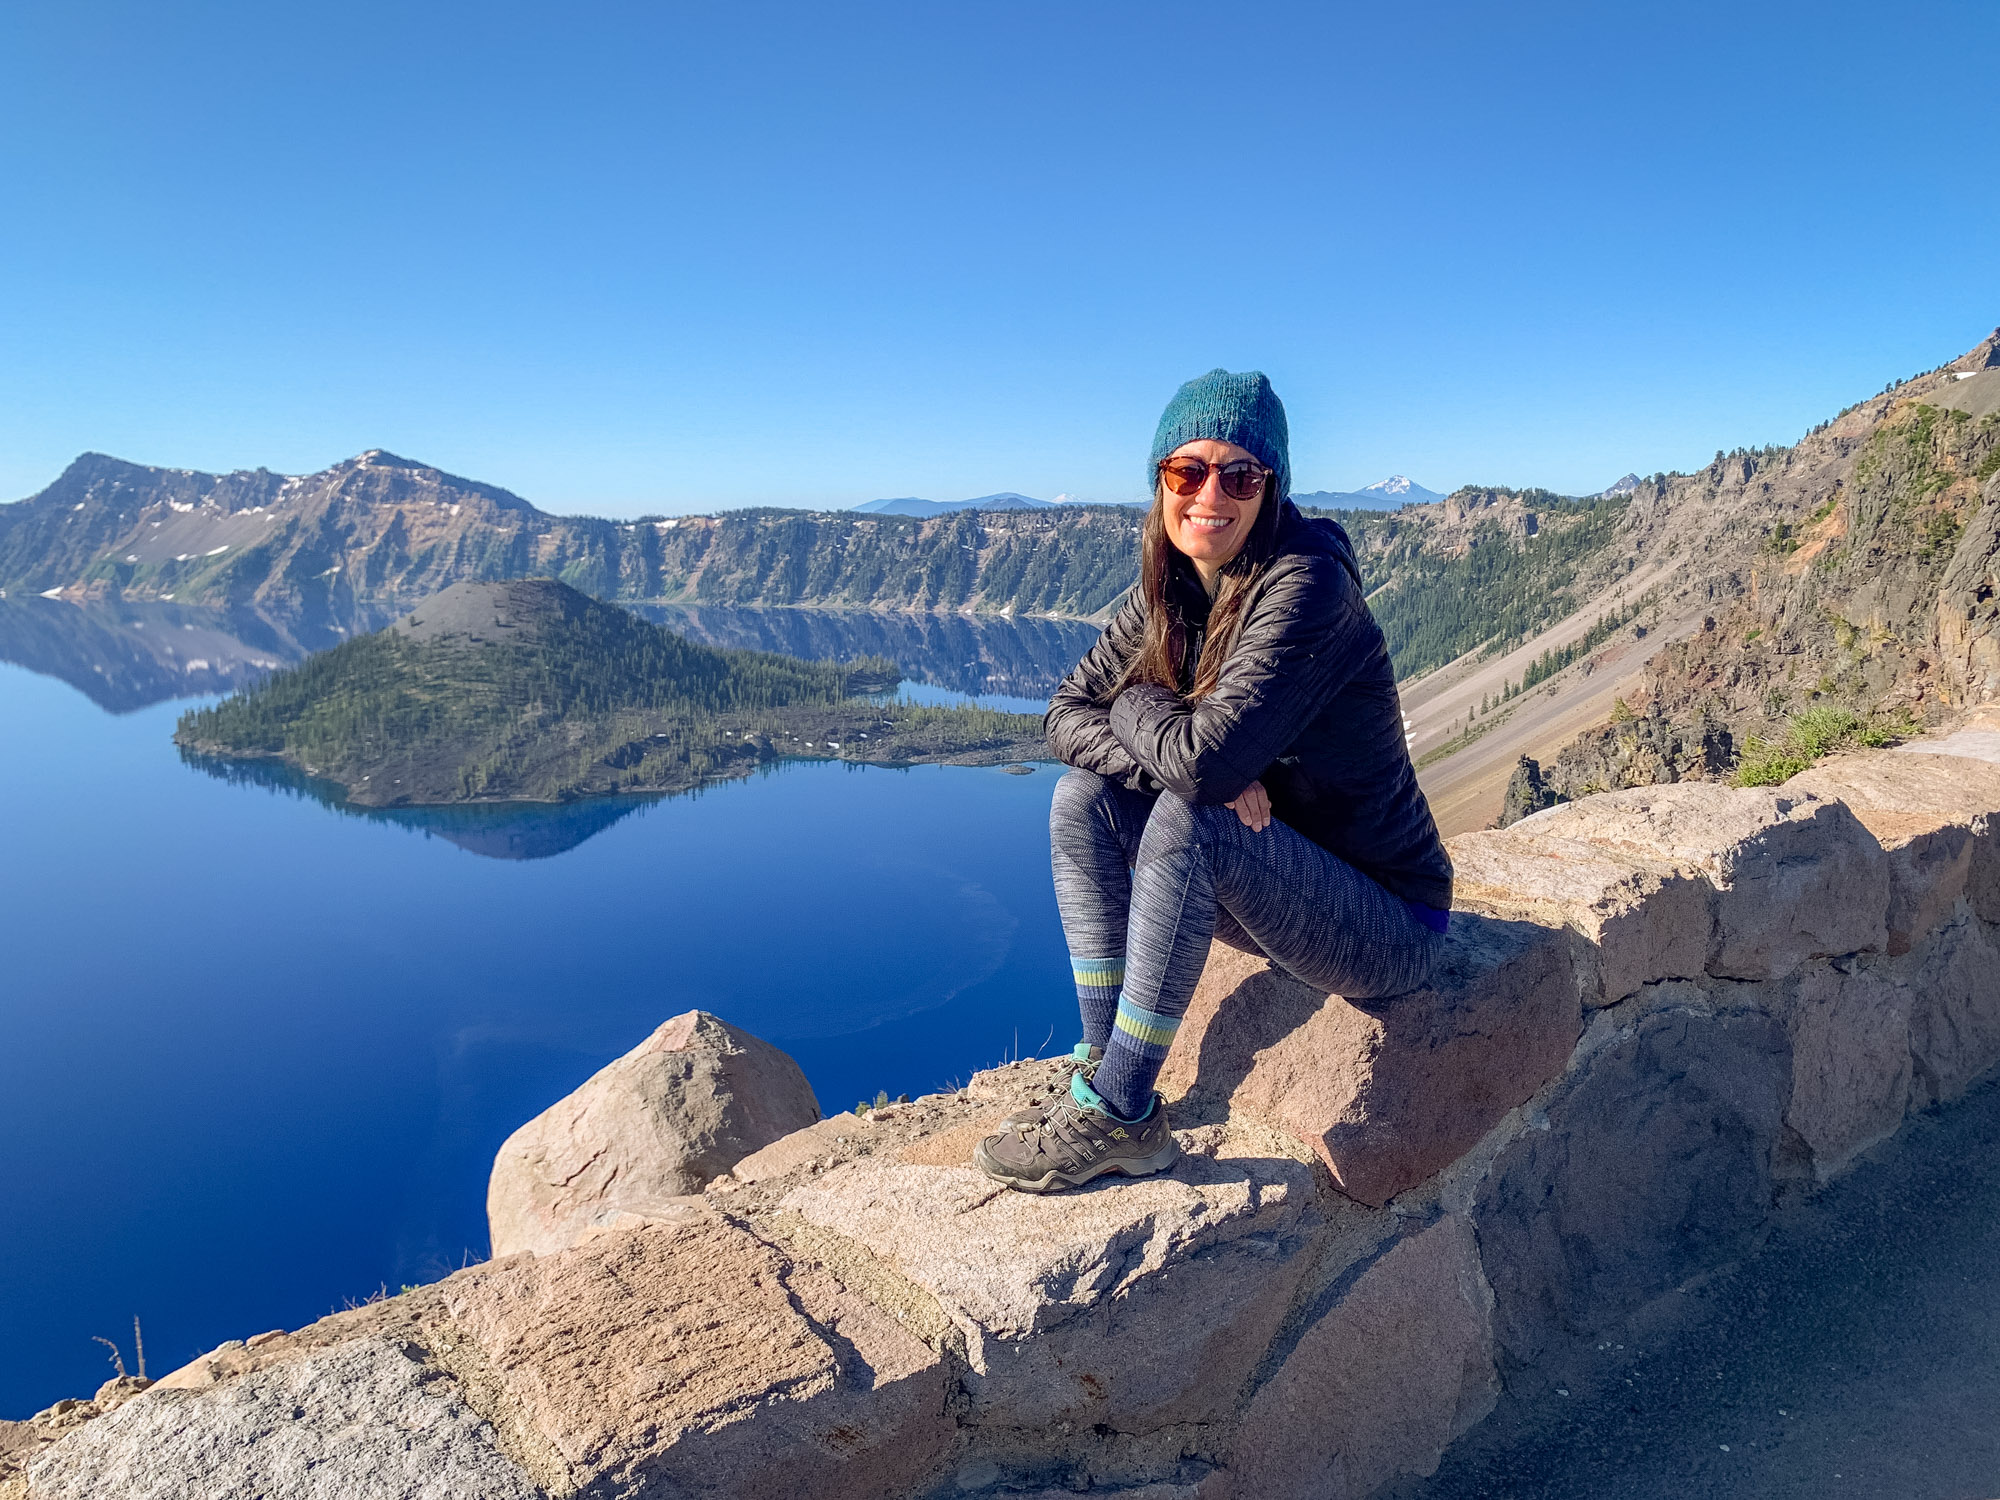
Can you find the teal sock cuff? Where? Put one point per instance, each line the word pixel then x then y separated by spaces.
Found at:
pixel 1089 1098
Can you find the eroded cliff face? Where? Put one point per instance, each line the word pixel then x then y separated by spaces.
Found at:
pixel 1662 1010
pixel 377 534
pixel 1858 568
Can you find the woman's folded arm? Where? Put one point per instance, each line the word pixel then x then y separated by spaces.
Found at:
pixel 1078 723
pixel 1294 653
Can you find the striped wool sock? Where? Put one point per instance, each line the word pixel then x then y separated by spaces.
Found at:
pixel 1139 1043
pixel 1098 981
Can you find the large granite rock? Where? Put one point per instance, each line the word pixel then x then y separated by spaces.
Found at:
pixel 1073 1308
pixel 1938 818
pixel 1639 919
pixel 1795 876
pixel 1954 984
pixel 21 1442
pixel 1849 1028
pixel 366 1420
pixel 699 1359
pixel 683 1360
pixel 681 1108
pixel 1380 1383
pixel 1389 1095
pixel 1653 1161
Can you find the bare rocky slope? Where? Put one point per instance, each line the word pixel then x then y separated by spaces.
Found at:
pixel 1662 1012
pixel 1853 573
pixel 1846 573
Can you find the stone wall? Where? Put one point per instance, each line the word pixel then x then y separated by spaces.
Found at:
pixel 1661 1011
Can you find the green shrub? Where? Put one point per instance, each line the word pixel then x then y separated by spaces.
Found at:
pixel 1765 764
pixel 1811 734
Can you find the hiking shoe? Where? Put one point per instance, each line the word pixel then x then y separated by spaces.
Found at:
pixel 1076 1140
pixel 1083 1058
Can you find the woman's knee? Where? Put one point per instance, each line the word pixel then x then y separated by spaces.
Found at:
pixel 1080 797
pixel 1176 823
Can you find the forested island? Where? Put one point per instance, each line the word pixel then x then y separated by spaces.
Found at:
pixel 530 691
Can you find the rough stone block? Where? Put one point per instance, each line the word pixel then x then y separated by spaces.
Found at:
pixel 365 1420
pixel 1387 1096
pixel 1652 1162
pixel 1850 1036
pixel 683 1106
pixel 1937 815
pixel 1074 1307
pixel 689 1359
pixel 1644 920
pixel 698 1360
pixel 1396 1368
pixel 1954 983
pixel 1796 876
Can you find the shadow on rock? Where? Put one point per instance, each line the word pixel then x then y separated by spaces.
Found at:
pixel 1389 1091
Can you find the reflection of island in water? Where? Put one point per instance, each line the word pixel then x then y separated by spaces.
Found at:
pixel 125 656
pixel 998 655
pixel 497 830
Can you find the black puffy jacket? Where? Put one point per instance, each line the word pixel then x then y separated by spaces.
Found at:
pixel 1306 703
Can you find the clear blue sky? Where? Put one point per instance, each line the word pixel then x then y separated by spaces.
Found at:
pixel 650 257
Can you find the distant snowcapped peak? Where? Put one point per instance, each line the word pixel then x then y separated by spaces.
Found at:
pixel 1395 484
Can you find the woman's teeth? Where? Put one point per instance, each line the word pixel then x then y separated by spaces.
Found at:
pixel 1211 523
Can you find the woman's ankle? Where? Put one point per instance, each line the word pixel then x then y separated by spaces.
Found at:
pixel 1122 1097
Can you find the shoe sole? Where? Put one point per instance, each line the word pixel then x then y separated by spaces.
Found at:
pixel 1144 1166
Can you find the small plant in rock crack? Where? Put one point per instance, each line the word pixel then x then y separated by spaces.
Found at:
pixel 117 1355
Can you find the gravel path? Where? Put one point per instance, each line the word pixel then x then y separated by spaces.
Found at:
pixel 1856 1354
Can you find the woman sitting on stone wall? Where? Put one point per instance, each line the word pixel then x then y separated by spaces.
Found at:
pixel 1239 771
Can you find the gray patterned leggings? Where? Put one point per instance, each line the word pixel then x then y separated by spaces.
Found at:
pixel 1145 882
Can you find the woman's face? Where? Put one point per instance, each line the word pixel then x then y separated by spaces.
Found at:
pixel 1208 526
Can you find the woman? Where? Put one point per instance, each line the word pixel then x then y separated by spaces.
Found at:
pixel 1239 771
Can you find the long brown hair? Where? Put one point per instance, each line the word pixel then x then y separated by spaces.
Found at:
pixel 1158 658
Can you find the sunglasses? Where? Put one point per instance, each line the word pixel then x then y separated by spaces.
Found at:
pixel 1242 479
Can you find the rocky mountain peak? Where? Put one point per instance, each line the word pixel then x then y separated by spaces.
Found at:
pixel 1985 355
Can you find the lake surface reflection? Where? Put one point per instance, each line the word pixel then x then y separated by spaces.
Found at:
pixel 125 656
pixel 1002 662
pixel 256 1053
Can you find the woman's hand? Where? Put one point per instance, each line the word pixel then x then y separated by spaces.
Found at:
pixel 1253 806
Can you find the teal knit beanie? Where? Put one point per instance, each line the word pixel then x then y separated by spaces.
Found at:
pixel 1240 409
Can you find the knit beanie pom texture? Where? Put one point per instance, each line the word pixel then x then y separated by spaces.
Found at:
pixel 1228 408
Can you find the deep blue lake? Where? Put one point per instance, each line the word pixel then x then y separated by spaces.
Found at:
pixel 256 1053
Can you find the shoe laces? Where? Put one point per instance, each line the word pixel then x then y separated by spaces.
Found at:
pixel 1070 1126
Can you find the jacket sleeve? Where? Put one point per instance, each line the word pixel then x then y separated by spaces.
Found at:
pixel 1078 723
pixel 1300 644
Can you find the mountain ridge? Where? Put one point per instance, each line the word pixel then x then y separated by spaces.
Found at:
pixel 1385 494
pixel 909 505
